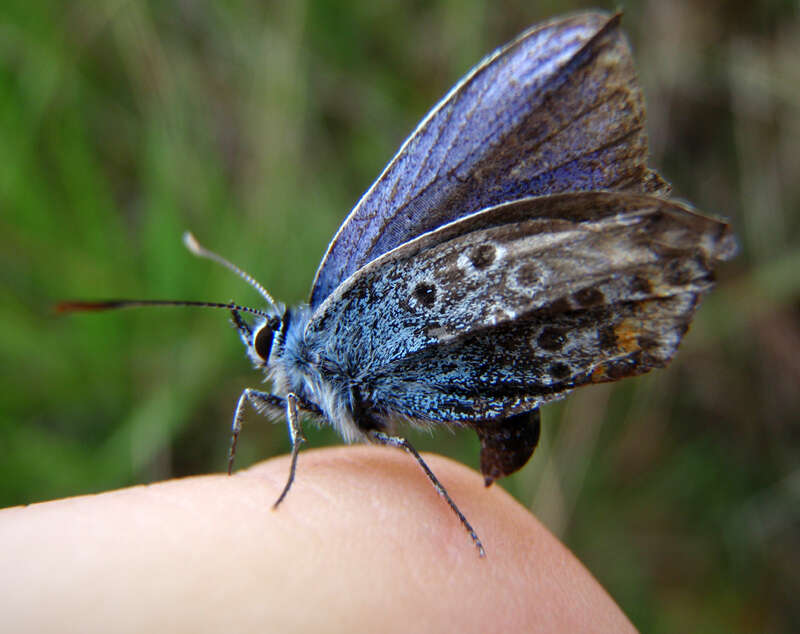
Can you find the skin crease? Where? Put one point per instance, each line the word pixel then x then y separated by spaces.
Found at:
pixel 362 543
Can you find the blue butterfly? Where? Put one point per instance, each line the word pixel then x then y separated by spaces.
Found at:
pixel 516 247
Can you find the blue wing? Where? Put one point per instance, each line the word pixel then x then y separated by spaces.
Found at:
pixel 558 109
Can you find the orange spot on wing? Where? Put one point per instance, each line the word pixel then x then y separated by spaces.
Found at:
pixel 627 333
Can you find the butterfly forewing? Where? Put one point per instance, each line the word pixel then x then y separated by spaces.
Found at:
pixel 556 110
pixel 509 307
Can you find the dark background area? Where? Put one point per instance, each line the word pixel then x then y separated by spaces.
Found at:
pixel 258 125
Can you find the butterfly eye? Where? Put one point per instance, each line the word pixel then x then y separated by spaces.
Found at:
pixel 262 342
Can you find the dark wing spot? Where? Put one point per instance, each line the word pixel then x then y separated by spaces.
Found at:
pixel 589 297
pixel 559 370
pixel 640 285
pixel 482 256
pixel 551 339
pixel 607 338
pixel 425 294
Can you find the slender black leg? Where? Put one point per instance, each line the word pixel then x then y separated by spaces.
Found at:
pixel 402 443
pixel 263 402
pixel 297 438
pixel 266 403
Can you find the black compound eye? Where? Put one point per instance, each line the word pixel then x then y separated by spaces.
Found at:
pixel 262 343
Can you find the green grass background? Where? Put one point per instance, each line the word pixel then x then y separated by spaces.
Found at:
pixel 258 125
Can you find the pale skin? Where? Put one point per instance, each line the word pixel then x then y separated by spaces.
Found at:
pixel 362 543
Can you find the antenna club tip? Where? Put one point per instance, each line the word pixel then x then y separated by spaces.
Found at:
pixel 191 243
pixel 79 306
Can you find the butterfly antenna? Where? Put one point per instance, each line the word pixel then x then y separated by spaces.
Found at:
pixel 75 306
pixel 199 250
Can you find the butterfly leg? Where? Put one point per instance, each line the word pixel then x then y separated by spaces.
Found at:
pixel 265 403
pixel 402 443
pixel 262 402
pixel 297 438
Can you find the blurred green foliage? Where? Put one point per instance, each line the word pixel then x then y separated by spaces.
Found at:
pixel 258 125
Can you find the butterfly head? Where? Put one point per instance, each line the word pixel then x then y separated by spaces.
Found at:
pixel 259 337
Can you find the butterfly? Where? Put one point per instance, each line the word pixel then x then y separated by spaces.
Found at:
pixel 515 248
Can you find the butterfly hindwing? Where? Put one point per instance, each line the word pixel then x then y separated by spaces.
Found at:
pixel 513 306
pixel 490 374
pixel 558 109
